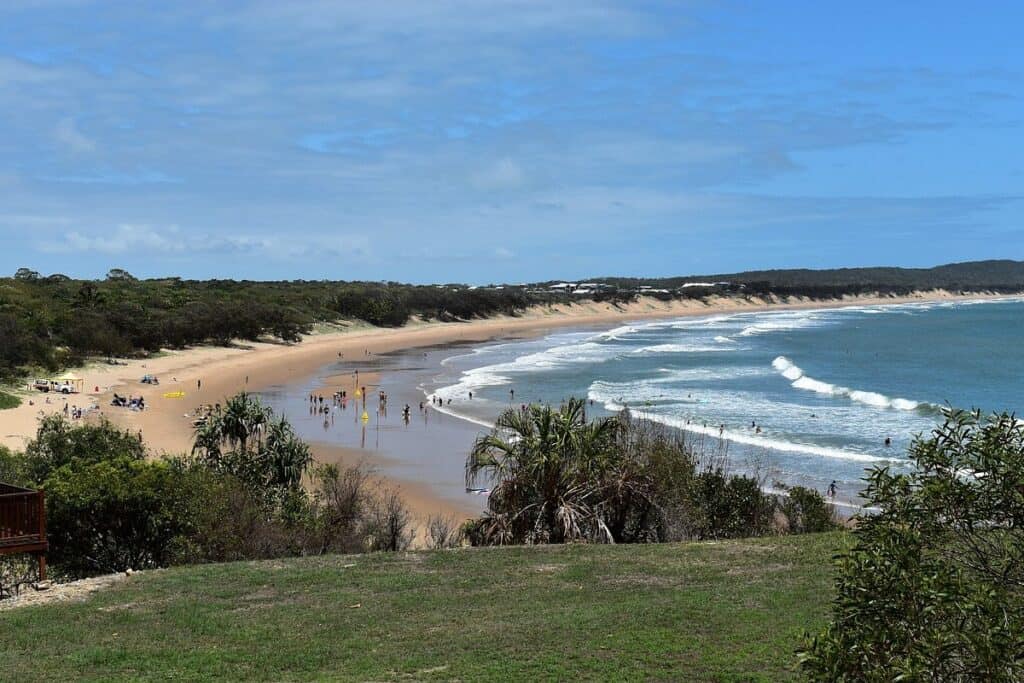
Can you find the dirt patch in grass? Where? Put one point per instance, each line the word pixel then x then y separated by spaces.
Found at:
pixel 62 592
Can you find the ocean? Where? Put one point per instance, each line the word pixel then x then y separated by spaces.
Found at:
pixel 798 397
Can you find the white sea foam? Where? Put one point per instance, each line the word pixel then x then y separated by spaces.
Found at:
pixel 767 323
pixel 745 438
pixel 799 380
pixel 617 396
pixel 680 348
pixel 721 339
pixel 447 410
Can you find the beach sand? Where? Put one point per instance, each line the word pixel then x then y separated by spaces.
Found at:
pixel 224 371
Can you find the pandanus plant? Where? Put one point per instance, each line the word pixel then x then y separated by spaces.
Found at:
pixel 555 476
pixel 245 439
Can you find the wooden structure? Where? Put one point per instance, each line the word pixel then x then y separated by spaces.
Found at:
pixel 23 524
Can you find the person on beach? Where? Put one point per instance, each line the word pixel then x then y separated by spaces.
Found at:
pixel 199 384
pixel 832 489
pixel 471 396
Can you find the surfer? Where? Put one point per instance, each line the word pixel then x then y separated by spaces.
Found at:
pixel 832 489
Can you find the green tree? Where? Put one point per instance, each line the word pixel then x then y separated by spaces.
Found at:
pixel 114 514
pixel 60 442
pixel 555 476
pixel 934 587
pixel 245 440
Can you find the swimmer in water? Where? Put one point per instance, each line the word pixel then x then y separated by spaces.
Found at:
pixel 888 441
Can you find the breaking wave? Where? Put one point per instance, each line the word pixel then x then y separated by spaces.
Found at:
pixel 598 392
pixel 795 374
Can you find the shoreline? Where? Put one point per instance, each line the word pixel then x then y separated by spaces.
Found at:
pixel 260 366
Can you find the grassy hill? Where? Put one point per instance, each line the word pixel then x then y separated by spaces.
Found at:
pixel 731 610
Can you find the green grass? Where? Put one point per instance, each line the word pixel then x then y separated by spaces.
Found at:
pixel 726 611
pixel 8 401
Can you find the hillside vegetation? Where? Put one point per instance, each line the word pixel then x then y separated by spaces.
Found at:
pixel 729 610
pixel 53 321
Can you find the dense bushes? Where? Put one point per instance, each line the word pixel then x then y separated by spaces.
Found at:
pixel 111 506
pixel 557 477
pixel 116 513
pixel 934 587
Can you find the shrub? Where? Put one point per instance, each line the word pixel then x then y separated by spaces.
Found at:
pixel 443 532
pixel 387 527
pixel 115 514
pixel 806 511
pixel 557 478
pixel 934 587
pixel 723 506
pixel 60 442
pixel 13 468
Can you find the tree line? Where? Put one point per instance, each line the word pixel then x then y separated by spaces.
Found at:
pixel 54 321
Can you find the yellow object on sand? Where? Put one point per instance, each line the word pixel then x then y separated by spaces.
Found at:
pixel 365 417
pixel 175 394
pixel 358 393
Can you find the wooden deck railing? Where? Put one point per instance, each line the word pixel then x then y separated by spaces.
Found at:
pixel 23 523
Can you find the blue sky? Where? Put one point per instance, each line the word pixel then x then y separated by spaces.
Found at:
pixel 507 140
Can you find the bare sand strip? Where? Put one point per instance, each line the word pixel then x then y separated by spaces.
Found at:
pixel 209 374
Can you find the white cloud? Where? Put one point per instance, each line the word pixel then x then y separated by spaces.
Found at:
pixel 156 241
pixel 504 174
pixel 67 134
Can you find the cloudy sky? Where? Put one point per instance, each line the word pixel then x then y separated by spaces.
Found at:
pixel 507 140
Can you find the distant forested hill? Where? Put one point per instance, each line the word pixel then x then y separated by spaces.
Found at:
pixel 969 276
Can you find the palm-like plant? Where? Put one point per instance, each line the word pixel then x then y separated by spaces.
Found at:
pixel 287 457
pixel 556 477
pixel 246 441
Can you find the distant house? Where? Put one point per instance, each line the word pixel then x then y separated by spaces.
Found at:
pixel 562 287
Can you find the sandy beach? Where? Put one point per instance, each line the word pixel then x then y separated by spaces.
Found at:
pixel 209 374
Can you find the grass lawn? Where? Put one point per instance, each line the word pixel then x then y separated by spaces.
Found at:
pixel 726 611
pixel 8 400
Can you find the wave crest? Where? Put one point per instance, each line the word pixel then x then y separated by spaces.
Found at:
pixel 795 374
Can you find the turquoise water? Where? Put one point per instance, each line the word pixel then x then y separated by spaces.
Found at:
pixel 825 388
